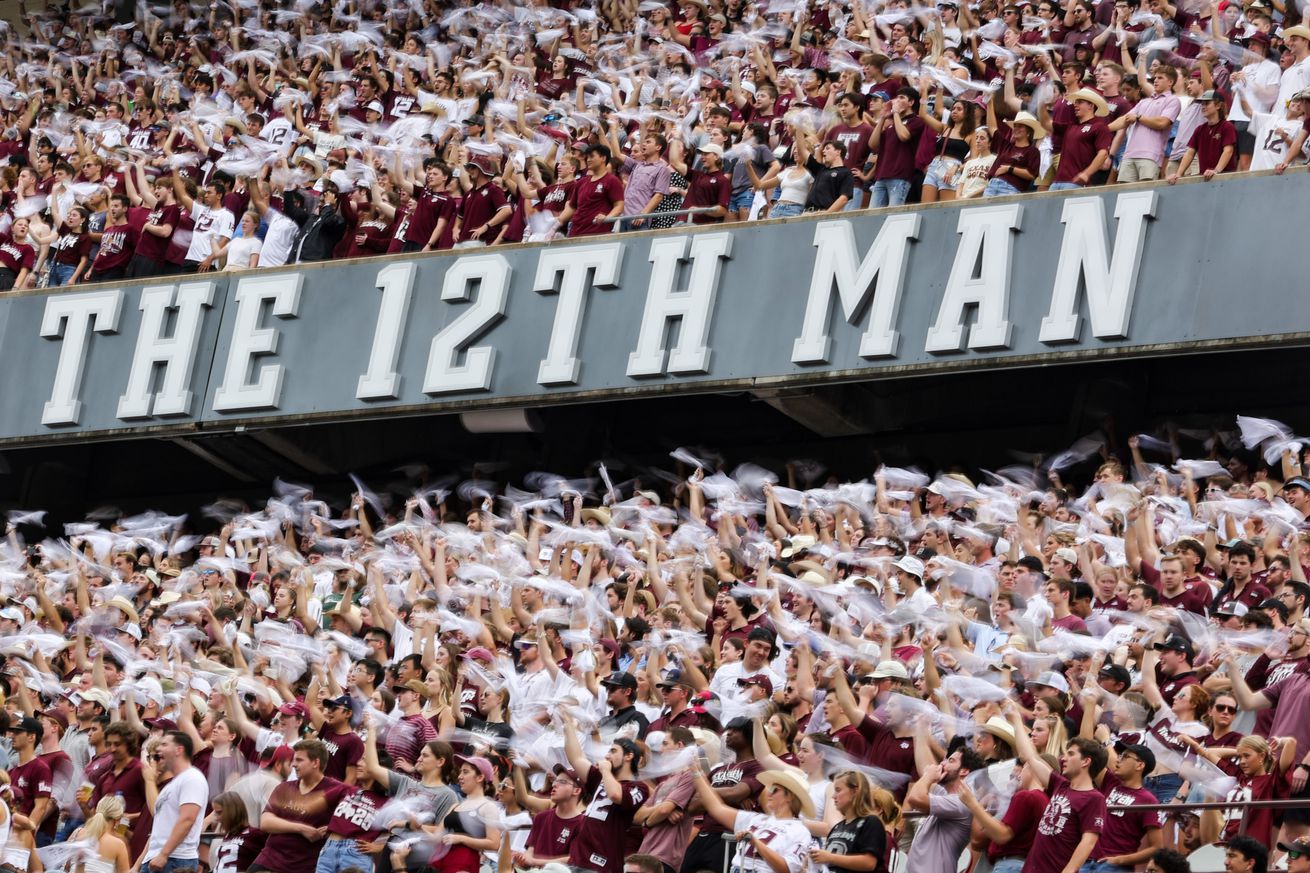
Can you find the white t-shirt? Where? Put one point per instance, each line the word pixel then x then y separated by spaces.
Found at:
pixel 1270 148
pixel 210 224
pixel 725 679
pixel 188 787
pixel 1296 79
pixel 1260 83
pixel 788 837
pixel 239 252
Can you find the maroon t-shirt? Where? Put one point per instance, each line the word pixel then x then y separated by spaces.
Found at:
pixel 728 775
pixel 1124 829
pixel 1025 811
pixel 429 208
pixel 1007 153
pixel 31 781
pixel 551 836
pixel 132 786
pixel 707 189
pixel 856 141
pixel 1069 814
pixel 480 205
pixel 117 246
pixel 553 198
pixel 377 236
pixel 1062 118
pixel 1172 686
pixel 61 774
pixel 1259 822
pixel 15 256
pixel 72 246
pixel 1264 673
pixel 293 853
pixel 1081 144
pixel 603 828
pixel 344 752
pixel 896 158
pixel 353 817
pixel 148 245
pixel 1210 140
pixel 886 750
pixel 592 199
pixel 236 853
pixel 1072 623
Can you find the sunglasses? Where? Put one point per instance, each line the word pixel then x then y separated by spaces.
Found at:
pixel 1292 856
pixel 1223 707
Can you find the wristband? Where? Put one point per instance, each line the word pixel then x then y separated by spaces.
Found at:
pixel 1303 766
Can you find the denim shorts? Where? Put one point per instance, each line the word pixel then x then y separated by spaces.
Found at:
pixel 935 175
pixel 999 188
pixel 742 200
pixel 786 210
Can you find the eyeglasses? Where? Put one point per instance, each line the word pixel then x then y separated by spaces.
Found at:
pixel 1223 707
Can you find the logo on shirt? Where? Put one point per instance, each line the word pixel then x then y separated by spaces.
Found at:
pixel 1056 817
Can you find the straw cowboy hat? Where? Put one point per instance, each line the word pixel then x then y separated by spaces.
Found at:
pixel 1029 121
pixel 791 780
pixel 1102 108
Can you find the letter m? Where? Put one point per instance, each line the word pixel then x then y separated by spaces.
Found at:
pixel 835 265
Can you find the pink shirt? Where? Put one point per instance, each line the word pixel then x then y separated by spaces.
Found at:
pixel 1143 142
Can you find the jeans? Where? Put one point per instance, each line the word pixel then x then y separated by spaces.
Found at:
pixel 890 192
pixel 173 865
pixel 999 188
pixel 1008 865
pixel 61 273
pixel 786 210
pixel 856 202
pixel 741 200
pixel 338 855
pixel 1164 787
pixel 1064 186
pixel 1102 867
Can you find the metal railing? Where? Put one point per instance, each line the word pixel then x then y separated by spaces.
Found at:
pixel 677 213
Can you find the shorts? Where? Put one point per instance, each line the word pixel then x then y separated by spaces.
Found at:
pixel 1139 170
pixel 741 200
pixel 1245 138
pixel 1301 814
pixel 999 188
pixel 1049 176
pixel 7 278
pixel 786 210
pixel 935 175
pixel 1193 170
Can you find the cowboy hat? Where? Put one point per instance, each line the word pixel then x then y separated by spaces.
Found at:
pixel 123 605
pixel 999 728
pixel 1090 96
pixel 1029 121
pixel 791 780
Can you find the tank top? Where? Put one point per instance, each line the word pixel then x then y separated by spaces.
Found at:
pixel 956 149
pixel 795 187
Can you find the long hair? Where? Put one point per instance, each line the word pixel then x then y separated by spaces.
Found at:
pixel 886 808
pixel 109 810
pixel 862 802
pixel 1059 736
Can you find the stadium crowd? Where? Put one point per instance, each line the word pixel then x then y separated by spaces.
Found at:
pixel 252 133
pixel 688 671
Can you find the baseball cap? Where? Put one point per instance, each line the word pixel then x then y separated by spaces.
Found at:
pixel 12 613
pixel 1301 846
pixel 336 702
pixel 1052 679
pixel 27 725
pixel 376 106
pixel 673 679
pixel 100 696
pixel 415 685
pixel 56 716
pixel 1211 96
pixel 1116 673
pixel 280 755
pixel 1138 751
pixel 740 723
pixel 293 707
pixel 1177 643
pixel 479 653
pixel 911 565
pixel 760 681
pixel 711 148
pixel 160 724
pixel 475 119
pixel 568 773
pixel 1233 608
pixel 892 669
pixel 619 679
pixel 482 765
pixel 1298 481
pixel 1069 556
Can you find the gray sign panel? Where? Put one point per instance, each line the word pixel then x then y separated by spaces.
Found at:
pixel 1133 270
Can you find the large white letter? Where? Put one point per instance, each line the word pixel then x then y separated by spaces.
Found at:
pixel 73 317
pixel 835 265
pixel 695 306
pixel 177 354
pixel 985 231
pixel 561 364
pixel 382 382
pixel 444 375
pixel 249 340
pixel 1110 282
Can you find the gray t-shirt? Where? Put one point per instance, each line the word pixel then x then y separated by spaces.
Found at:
pixel 441 798
pixel 942 836
pixel 761 156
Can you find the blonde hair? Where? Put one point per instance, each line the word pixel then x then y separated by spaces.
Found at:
pixel 1059 735
pixel 862 803
pixel 109 810
pixel 1260 746
pixel 886 808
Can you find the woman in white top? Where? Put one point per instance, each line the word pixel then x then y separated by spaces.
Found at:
pixel 793 183
pixel 242 252
pixel 811 763
pixel 774 838
pixel 970 178
pixel 109 848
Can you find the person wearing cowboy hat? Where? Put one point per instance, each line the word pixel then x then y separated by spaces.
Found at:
pixel 995 740
pixel 1296 76
pixel 1086 149
pixel 944 833
pixel 775 835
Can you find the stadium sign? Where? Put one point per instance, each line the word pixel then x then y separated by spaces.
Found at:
pixel 1017 281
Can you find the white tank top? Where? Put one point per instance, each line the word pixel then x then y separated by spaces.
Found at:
pixel 795 186
pixel 14 856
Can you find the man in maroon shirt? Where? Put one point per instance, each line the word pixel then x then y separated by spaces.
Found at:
pixel 616 792
pixel 854 133
pixel 431 224
pixel 298 813
pixel 123 776
pixel 484 208
pixel 553 829
pixel 345 748
pixel 154 223
pixel 30 778
pixel 598 194
pixel 896 139
pixel 1130 837
pixel 1175 671
pixel 117 243
pixel 1086 143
